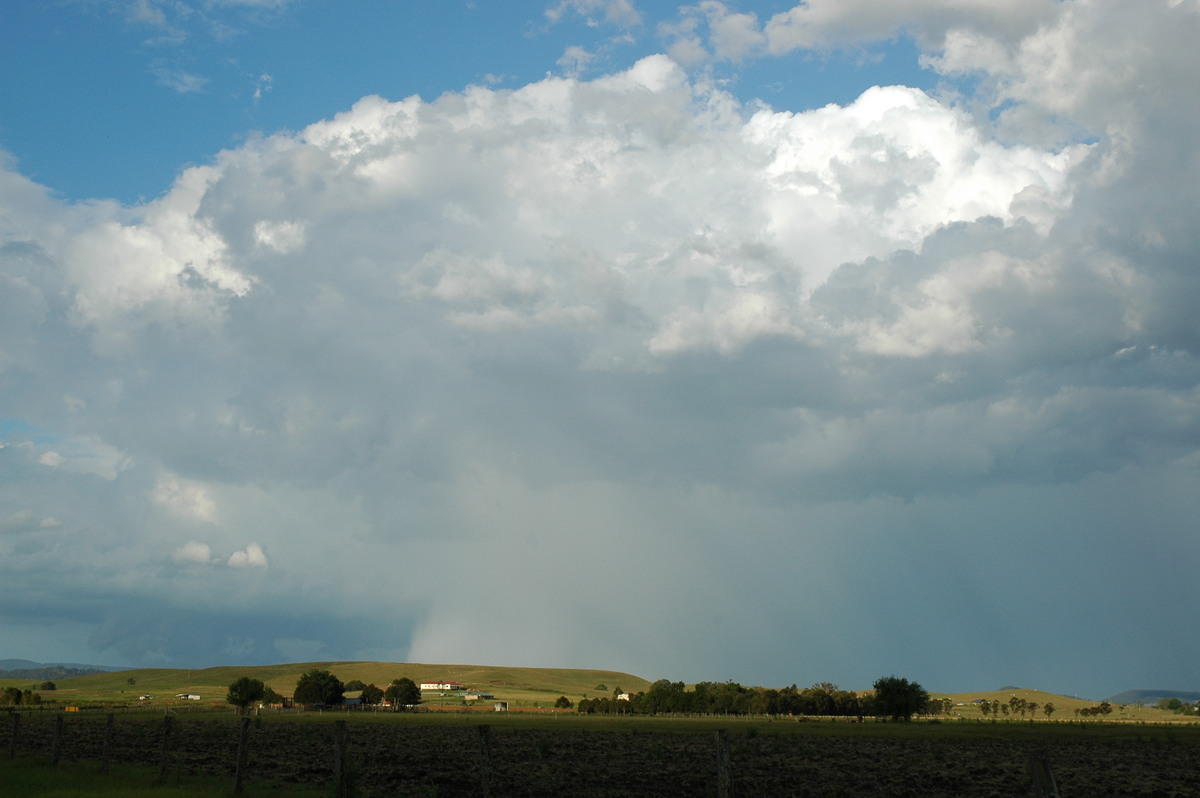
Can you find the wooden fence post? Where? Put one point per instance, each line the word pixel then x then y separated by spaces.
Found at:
pixel 168 722
pixel 106 750
pixel 340 776
pixel 242 753
pixel 485 759
pixel 722 763
pixel 12 744
pixel 56 746
pixel 1041 776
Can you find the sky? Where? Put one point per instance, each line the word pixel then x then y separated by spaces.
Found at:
pixel 780 342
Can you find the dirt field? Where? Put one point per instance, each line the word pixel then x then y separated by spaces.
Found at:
pixel 418 757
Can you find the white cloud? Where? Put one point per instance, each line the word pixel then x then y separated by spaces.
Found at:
pixel 193 553
pixel 826 23
pixel 186 498
pixel 282 237
pixel 575 61
pixel 731 36
pixel 251 557
pixel 634 330
pixel 179 80
pixel 613 12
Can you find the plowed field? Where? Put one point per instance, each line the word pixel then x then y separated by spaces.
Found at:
pixel 418 757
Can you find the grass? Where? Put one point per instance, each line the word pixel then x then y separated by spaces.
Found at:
pixel 521 687
pixel 29 777
pixel 1065 707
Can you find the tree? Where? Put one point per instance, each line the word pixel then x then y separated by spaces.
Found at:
pixel 899 698
pixel 371 694
pixel 47 686
pixel 403 692
pixel 1048 709
pixel 354 685
pixel 271 697
pixel 318 687
pixel 244 692
pixel 562 702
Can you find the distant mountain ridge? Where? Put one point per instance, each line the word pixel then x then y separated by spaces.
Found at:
pixel 1152 697
pixel 48 671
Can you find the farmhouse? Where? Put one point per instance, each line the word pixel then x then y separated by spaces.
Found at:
pixel 187 696
pixel 440 686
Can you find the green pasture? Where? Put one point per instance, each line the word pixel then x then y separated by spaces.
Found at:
pixel 1065 707
pixel 521 687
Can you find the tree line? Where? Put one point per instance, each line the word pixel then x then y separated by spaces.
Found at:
pixel 893 697
pixel 1016 706
pixel 15 696
pixel 321 687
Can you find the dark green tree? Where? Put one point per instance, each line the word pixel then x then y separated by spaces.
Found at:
pixel 562 702
pixel 271 697
pixel 318 687
pixel 354 685
pixel 403 692
pixel 371 694
pixel 244 692
pixel 899 698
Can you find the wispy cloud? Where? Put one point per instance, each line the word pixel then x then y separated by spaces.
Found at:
pixel 177 79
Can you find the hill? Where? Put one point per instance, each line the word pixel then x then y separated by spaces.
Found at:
pixel 519 686
pixel 42 671
pixel 1066 707
pixel 1151 697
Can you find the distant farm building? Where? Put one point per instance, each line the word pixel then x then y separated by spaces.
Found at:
pixel 440 686
pixel 187 696
pixel 502 706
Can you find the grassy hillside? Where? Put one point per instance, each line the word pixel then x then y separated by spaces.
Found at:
pixel 524 686
pixel 1065 706
pixel 521 687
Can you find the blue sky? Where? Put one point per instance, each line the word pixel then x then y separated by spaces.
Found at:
pixel 773 342
pixel 113 99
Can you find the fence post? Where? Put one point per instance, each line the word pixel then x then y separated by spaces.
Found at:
pixel 339 758
pixel 242 752
pixel 12 744
pixel 722 763
pixel 106 751
pixel 485 759
pixel 1041 776
pixel 56 747
pixel 168 722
